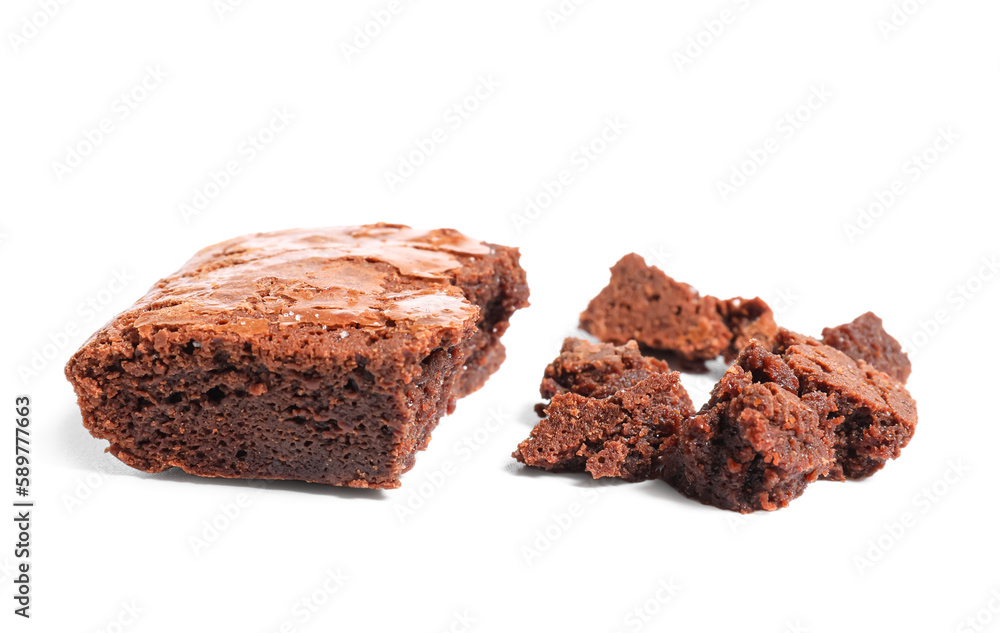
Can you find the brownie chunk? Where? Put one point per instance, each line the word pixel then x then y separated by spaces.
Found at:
pixel 618 436
pixel 598 370
pixel 641 302
pixel 747 319
pixel 865 339
pixel 876 414
pixel 323 355
pixel 756 444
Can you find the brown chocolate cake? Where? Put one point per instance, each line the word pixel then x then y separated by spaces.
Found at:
pixel 865 339
pixel 756 444
pixel 323 355
pixel 641 302
pixel 618 436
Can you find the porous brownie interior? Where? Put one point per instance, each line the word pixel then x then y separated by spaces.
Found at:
pixel 215 406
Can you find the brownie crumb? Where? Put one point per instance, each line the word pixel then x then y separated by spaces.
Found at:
pixel 756 444
pixel 865 339
pixel 618 436
pixel 747 319
pixel 641 302
pixel 876 414
pixel 598 370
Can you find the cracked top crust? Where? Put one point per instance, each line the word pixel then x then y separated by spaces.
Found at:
pixel 364 276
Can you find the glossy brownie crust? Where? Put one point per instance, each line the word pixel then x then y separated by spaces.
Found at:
pixel 321 355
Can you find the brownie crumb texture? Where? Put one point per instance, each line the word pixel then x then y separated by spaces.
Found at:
pixel 790 410
pixel 877 415
pixel 641 302
pixel 756 444
pixel 617 436
pixel 865 339
pixel 598 370
pixel 323 355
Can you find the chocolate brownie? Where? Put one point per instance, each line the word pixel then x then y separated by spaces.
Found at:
pixel 865 339
pixel 756 444
pixel 598 370
pixel 747 319
pixel 617 436
pixel 641 302
pixel 323 355
pixel 876 414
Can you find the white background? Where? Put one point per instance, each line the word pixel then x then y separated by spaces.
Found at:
pixel 105 535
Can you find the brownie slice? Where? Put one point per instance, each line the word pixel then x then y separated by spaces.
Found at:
pixel 641 302
pixel 756 444
pixel 865 339
pixel 323 355
pixel 618 436
pixel 876 414
pixel 598 370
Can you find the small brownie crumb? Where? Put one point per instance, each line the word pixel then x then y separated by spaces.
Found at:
pixel 641 302
pixel 747 319
pixel 323 355
pixel 756 444
pixel 877 414
pixel 598 370
pixel 865 339
pixel 619 436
